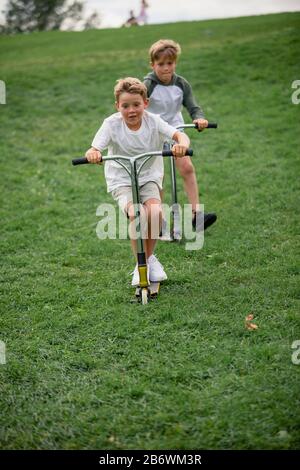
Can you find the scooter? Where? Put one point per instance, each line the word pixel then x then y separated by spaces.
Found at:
pixel 175 223
pixel 146 290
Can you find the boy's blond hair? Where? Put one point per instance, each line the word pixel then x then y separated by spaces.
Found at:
pixel 130 85
pixel 166 48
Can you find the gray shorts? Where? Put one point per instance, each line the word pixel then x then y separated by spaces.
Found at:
pixel 123 195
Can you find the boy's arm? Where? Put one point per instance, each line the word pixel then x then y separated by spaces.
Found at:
pixel 194 110
pixel 100 141
pixel 182 145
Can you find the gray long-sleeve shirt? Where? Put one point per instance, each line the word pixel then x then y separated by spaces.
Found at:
pixel 167 100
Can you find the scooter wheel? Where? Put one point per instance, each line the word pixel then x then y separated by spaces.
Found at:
pixel 144 295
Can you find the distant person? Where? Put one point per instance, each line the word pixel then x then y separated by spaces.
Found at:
pixel 132 20
pixel 167 92
pixel 143 18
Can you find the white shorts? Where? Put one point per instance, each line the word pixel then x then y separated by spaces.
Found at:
pixel 123 195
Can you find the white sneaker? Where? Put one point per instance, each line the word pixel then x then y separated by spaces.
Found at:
pixel 136 277
pixel 157 273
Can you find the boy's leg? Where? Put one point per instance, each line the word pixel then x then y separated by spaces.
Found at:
pixel 132 231
pixel 133 240
pixel 151 199
pixel 187 171
pixel 151 216
pixel 123 196
pixel 150 213
pixel 154 217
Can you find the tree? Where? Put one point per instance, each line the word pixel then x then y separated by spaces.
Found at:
pixel 39 15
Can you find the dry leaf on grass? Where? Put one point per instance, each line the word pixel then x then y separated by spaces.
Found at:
pixel 251 326
pixel 248 324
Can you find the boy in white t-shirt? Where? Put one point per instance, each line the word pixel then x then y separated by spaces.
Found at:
pixel 129 132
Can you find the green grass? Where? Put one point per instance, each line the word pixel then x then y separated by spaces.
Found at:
pixel 85 367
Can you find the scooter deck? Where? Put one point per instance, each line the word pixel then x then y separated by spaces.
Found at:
pixel 154 289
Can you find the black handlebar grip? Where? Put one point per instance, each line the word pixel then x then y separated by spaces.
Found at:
pixel 80 161
pixel 169 153
pixel 210 125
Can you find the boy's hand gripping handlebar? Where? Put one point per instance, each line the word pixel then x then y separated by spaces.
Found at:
pixel 210 125
pixel 80 161
pixel 169 153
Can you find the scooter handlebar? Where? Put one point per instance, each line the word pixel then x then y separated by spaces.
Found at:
pixel 169 153
pixel 165 153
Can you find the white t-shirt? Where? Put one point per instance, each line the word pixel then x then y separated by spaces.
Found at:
pixel 120 140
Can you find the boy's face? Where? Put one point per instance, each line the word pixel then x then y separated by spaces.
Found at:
pixel 132 106
pixel 164 68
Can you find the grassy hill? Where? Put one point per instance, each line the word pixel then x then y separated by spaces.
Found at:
pixel 85 368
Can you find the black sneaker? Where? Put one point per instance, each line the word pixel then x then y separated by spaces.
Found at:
pixel 208 220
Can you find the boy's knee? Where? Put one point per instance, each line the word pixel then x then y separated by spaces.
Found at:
pixel 153 208
pixel 186 168
pixel 130 210
pixel 154 213
pixel 134 222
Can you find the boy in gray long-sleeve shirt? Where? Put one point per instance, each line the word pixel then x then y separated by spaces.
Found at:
pixel 167 93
